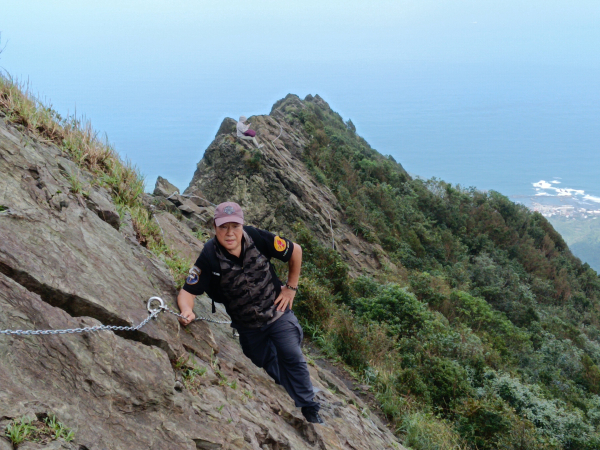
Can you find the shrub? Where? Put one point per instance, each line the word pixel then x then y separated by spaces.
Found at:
pixel 350 341
pixel 493 325
pixel 314 302
pixel 551 417
pixel 483 421
pixel 395 306
pixel 410 382
pixel 447 380
pixel 423 431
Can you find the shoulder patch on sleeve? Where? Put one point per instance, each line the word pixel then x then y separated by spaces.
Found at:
pixel 279 244
pixel 193 275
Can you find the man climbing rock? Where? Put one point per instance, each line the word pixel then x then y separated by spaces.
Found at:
pixel 234 269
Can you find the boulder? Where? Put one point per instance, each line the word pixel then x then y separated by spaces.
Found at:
pixel 179 237
pixel 164 188
pixel 198 199
pixel 188 207
pixel 176 199
pixel 160 203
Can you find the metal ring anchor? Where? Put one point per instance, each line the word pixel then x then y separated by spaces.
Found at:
pixel 152 310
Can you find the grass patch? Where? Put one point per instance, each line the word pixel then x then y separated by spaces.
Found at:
pixel 76 185
pixel 202 236
pixel 19 431
pixel 59 430
pixel 190 374
pixel 35 430
pixel 3 208
pixel 426 432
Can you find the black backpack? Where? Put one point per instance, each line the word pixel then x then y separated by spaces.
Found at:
pixel 214 291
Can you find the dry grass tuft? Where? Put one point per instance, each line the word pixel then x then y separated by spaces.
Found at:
pixel 81 144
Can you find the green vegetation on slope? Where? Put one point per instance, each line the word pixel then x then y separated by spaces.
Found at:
pixel 583 237
pixel 489 328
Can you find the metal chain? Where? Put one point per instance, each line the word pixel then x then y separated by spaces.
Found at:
pixel 82 330
pixel 153 313
pixel 206 319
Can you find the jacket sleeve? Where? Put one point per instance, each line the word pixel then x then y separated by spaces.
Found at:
pixel 272 245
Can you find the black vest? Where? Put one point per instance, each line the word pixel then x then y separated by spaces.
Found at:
pixel 247 289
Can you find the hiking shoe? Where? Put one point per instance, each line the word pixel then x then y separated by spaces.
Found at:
pixel 311 415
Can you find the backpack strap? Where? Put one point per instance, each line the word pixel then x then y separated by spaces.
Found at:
pixel 215 268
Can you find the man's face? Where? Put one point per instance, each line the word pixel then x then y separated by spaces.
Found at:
pixel 230 236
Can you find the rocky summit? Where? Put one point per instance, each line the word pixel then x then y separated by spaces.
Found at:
pixel 71 258
pixel 275 187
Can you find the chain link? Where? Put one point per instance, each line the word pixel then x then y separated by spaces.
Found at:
pixel 206 319
pixel 153 313
pixel 81 330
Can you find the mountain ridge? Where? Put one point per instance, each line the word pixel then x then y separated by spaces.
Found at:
pixel 474 302
pixel 464 315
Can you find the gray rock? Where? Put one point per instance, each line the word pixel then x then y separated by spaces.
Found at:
pixel 280 191
pixel 162 204
pixel 164 188
pixel 188 207
pixel 176 199
pixel 179 237
pixel 227 126
pixel 52 445
pixel 126 227
pixel 199 200
pixel 98 201
pixel 72 170
pixel 5 444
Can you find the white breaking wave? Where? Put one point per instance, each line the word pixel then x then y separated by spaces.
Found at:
pixel 569 192
pixel 542 185
pixel 592 198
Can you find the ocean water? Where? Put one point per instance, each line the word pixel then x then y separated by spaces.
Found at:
pixel 489 127
pixel 496 95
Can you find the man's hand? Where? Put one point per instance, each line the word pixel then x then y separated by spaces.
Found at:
pixel 185 300
pixel 285 299
pixel 189 317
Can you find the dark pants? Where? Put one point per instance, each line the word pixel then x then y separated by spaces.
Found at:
pixel 276 348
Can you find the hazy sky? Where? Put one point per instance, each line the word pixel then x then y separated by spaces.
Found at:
pixel 170 33
pixel 124 64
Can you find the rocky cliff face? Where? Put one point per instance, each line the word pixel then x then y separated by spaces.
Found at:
pixel 68 260
pixel 274 186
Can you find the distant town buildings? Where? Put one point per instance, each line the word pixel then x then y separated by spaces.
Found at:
pixel 568 211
